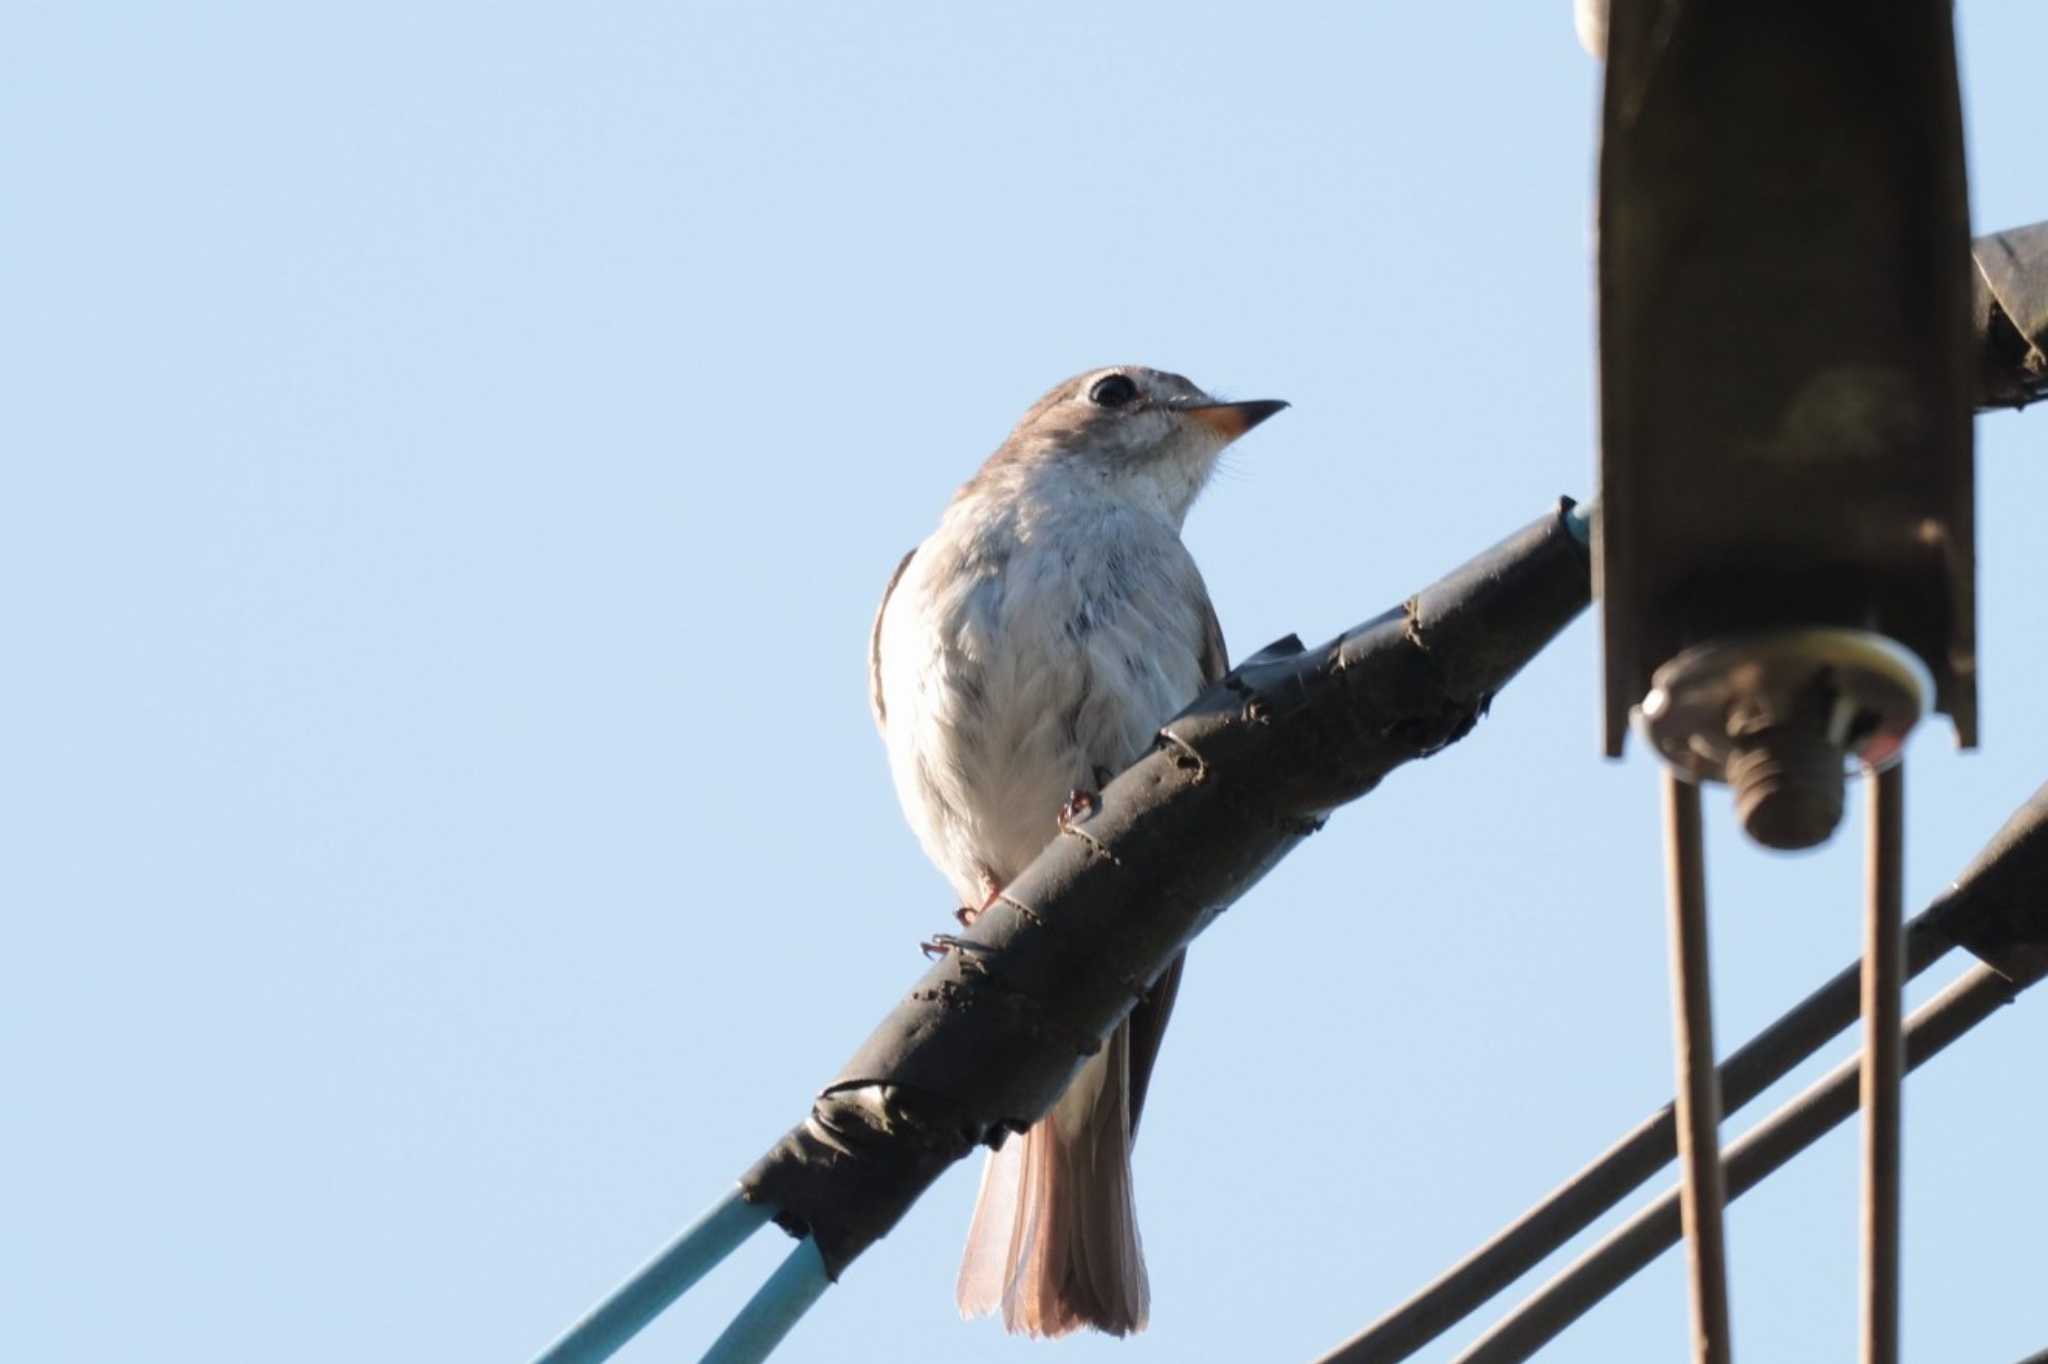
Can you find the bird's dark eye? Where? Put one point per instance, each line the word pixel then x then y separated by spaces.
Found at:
pixel 1113 390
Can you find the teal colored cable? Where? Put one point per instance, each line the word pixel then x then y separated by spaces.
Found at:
pixel 789 1293
pixel 1579 521
pixel 659 1282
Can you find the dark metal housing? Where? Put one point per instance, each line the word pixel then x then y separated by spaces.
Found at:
pixel 1785 296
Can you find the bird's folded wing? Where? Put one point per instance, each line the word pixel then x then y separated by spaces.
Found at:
pixel 875 645
pixel 1148 1018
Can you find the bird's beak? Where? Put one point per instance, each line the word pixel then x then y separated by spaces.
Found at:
pixel 1231 420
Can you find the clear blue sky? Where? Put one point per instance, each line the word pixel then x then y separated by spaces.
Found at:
pixel 452 455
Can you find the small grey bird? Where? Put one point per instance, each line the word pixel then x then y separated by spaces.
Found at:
pixel 1028 650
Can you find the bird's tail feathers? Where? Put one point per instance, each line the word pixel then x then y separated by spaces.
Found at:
pixel 1054 1240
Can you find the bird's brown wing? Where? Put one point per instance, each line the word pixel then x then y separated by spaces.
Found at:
pixel 875 645
pixel 1148 1018
pixel 1215 658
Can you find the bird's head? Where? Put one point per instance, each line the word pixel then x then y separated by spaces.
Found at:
pixel 1139 434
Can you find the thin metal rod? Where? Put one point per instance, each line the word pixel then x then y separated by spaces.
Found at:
pixel 656 1284
pixel 1884 974
pixel 790 1292
pixel 1699 1086
pixel 1968 1001
pixel 1583 1199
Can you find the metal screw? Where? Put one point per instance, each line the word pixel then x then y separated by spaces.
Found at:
pixel 1788 786
pixel 1780 716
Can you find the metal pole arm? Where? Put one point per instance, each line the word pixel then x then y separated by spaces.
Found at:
pixel 2009 316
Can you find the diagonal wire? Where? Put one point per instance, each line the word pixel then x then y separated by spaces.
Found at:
pixel 1625 1167
pixel 1973 997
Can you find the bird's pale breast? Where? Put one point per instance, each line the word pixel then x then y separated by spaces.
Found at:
pixel 1028 644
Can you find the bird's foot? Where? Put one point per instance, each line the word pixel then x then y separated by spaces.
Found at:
pixel 939 944
pixel 992 892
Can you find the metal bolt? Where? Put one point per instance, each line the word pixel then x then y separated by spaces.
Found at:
pixel 1788 786
pixel 1780 716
